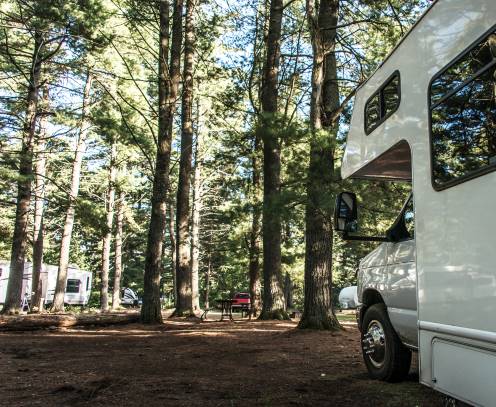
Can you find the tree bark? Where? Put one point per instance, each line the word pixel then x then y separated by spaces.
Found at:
pixel 173 250
pixel 20 238
pixel 58 299
pixel 169 76
pixel 207 283
pixel 254 267
pixel 195 227
pixel 184 277
pixel 288 291
pixel 39 207
pixel 116 293
pixel 318 312
pixel 273 299
pixel 107 238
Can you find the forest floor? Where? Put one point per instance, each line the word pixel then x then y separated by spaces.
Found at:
pixel 188 363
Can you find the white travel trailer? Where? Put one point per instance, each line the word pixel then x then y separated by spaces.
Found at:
pixel 428 116
pixel 78 287
pixel 348 297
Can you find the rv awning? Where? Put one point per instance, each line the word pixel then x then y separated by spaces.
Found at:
pixel 394 164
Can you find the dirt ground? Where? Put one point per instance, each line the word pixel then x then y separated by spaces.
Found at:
pixel 183 363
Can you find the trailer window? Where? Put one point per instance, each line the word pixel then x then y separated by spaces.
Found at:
pixel 383 103
pixel 463 116
pixel 72 286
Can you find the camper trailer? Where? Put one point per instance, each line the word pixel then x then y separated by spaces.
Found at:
pixel 77 291
pixel 348 297
pixel 427 116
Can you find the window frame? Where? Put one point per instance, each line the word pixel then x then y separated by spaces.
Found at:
pixel 382 118
pixel 78 286
pixel 477 173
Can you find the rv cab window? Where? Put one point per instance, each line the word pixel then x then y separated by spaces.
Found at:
pixel 409 218
pixel 382 103
pixel 72 286
pixel 463 116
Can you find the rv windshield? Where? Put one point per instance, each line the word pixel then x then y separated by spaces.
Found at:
pixel 389 216
pixel 403 227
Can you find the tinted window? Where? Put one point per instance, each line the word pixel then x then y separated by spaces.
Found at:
pixel 72 286
pixel 383 103
pixel 372 113
pixel 464 119
pixel 464 69
pixel 391 96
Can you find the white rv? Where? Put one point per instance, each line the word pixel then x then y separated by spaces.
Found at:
pixel 348 297
pixel 78 287
pixel 427 116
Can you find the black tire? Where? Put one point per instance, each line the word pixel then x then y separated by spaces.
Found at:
pixel 385 356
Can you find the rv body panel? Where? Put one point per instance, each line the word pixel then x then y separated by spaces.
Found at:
pixel 455 252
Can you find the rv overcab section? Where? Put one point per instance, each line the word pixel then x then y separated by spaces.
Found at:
pixel 426 116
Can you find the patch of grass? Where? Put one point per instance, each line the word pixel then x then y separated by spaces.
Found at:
pixel 346 317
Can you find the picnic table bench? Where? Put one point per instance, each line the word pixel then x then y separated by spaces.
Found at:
pixel 225 307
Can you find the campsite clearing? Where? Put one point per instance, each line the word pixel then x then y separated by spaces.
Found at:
pixel 187 363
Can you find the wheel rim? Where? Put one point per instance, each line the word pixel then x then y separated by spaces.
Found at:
pixel 374 343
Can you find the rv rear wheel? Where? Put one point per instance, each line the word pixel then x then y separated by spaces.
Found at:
pixel 385 356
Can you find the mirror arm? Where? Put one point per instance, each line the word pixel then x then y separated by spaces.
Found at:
pixel 346 236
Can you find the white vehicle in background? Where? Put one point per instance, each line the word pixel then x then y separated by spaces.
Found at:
pixel 129 298
pixel 427 116
pixel 78 289
pixel 348 297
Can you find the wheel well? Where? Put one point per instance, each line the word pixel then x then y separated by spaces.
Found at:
pixel 369 298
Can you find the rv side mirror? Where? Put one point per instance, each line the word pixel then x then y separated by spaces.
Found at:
pixel 345 213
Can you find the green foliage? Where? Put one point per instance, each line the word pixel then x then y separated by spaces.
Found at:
pixel 118 41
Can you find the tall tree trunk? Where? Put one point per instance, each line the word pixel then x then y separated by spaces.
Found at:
pixel 207 283
pixel 318 312
pixel 58 299
pixel 20 238
pixel 169 76
pixel 116 297
pixel 195 226
pixel 288 291
pixel 184 276
pixel 107 238
pixel 39 207
pixel 173 250
pixel 254 267
pixel 273 299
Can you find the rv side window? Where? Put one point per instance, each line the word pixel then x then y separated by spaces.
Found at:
pixel 72 286
pixel 383 103
pixel 87 283
pixel 373 112
pixel 463 116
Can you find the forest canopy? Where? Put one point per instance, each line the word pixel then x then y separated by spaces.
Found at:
pixel 188 150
